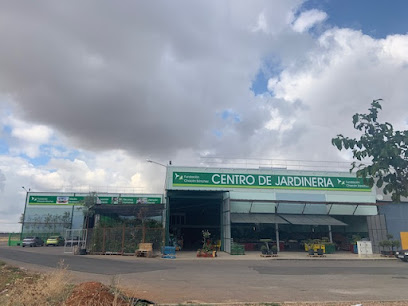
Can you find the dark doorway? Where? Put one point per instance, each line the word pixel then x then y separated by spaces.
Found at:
pixel 191 212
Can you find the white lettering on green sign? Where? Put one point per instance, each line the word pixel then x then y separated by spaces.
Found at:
pixel 296 181
pixel 79 200
pixel 234 180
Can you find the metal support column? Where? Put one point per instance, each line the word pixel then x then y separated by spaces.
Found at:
pixel 330 234
pixel 167 222
pixel 277 236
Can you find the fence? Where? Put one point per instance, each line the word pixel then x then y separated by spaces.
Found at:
pixel 122 240
pixel 75 239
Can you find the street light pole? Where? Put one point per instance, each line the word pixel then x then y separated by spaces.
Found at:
pixel 167 210
pixel 24 213
pixel 157 163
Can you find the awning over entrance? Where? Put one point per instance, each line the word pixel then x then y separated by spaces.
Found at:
pixel 286 219
pixel 257 218
pixel 312 220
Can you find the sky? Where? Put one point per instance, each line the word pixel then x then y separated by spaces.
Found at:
pixel 91 89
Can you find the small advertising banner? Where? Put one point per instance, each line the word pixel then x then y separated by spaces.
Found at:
pixel 79 200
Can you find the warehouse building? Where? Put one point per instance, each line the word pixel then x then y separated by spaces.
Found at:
pixel 246 205
pixel 234 205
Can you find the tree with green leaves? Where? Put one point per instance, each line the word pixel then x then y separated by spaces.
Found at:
pixel 89 206
pixel 385 149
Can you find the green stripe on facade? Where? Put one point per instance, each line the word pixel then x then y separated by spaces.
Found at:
pixel 268 187
pixel 79 200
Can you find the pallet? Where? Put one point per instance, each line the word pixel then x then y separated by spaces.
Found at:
pixel 269 255
pixel 144 254
pixel 145 250
pixel 112 253
pixel 316 255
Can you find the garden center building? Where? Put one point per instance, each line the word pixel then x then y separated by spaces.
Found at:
pixel 240 205
pixel 246 205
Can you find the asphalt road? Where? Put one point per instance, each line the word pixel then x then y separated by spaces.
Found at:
pixel 51 257
pixel 212 280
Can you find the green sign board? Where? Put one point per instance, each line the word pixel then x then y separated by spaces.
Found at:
pixel 233 180
pixel 68 200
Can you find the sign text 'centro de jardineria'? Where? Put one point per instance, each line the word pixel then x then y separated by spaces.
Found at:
pixel 233 180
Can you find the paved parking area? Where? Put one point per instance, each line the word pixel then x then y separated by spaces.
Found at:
pixel 227 278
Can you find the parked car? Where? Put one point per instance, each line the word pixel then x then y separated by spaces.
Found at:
pixel 402 254
pixel 32 242
pixel 55 241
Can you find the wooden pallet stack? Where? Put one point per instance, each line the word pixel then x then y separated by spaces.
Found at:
pixel 145 250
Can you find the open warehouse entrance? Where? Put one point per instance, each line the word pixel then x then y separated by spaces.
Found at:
pixel 191 212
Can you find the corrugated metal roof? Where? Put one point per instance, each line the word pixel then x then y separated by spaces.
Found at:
pixel 257 218
pixel 286 219
pixel 312 220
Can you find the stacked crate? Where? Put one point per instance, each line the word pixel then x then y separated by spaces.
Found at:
pixel 237 249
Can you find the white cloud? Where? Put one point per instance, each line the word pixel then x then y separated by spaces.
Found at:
pixel 278 123
pixel 35 134
pixel 341 76
pixel 272 82
pixel 396 48
pixel 262 25
pixel 151 86
pixel 113 171
pixel 26 137
pixel 308 19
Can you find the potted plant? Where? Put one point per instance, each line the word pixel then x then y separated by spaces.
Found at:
pixel 385 245
pixel 389 245
pixel 308 245
pixel 395 244
pixel 382 246
pixel 206 250
pixel 274 250
pixel 353 246
pixel 264 250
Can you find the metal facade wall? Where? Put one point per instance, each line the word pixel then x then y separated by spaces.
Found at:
pixel 49 217
pixel 226 224
pixel 377 230
pixel 396 215
pixel 77 217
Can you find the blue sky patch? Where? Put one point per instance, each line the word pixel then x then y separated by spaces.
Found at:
pixel 217 133
pixel 374 18
pixel 260 84
pixel 47 152
pixel 270 68
pixel 229 114
pixel 7 129
pixel 4 148
pixel 41 160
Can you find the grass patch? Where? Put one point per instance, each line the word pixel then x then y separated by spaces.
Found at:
pixel 10 275
pixel 19 287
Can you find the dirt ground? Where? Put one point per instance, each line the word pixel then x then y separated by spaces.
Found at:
pixel 22 287
pixel 95 293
